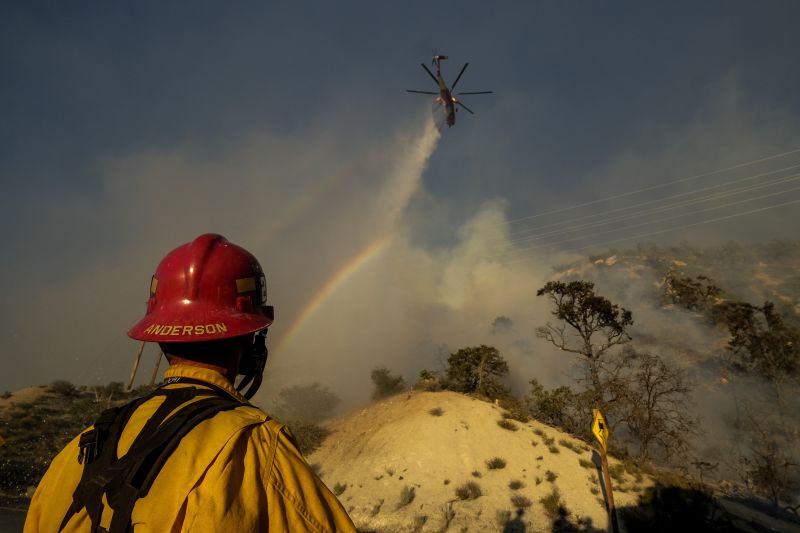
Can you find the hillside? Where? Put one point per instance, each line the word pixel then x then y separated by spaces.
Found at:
pixel 435 442
pixel 398 465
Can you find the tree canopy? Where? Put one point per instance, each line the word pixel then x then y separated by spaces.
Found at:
pixel 477 369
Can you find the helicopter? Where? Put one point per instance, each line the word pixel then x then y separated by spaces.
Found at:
pixel 445 95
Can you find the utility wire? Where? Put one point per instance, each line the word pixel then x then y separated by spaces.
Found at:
pixel 650 202
pixel 660 209
pixel 666 219
pixel 659 186
pixel 528 257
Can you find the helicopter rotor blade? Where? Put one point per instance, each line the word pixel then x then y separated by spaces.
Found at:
pixel 479 92
pixel 420 92
pixel 465 107
pixel 459 76
pixel 430 74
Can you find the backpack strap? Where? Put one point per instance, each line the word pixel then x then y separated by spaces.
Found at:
pixel 123 480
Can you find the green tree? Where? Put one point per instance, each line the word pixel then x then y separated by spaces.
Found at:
pixel 596 325
pixel 477 369
pixel 385 384
pixel 561 406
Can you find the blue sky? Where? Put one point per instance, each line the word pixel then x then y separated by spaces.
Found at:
pixel 591 99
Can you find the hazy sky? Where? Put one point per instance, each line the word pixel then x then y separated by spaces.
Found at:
pixel 127 130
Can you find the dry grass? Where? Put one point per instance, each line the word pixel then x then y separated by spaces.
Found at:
pixel 468 491
pixel 520 501
pixel 507 424
pixel 503 517
pixel 407 496
pixel 496 463
pixel 553 506
pixel 569 445
pixel 516 484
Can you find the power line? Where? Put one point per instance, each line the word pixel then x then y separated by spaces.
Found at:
pixel 660 209
pixel 657 200
pixel 655 221
pixel 654 187
pixel 667 230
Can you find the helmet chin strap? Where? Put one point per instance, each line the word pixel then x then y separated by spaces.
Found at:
pixel 252 365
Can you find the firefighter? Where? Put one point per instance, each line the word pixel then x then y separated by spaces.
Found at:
pixel 193 455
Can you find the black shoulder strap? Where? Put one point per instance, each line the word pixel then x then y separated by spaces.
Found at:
pixel 123 480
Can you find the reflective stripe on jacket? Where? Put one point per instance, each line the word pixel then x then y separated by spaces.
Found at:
pixel 238 471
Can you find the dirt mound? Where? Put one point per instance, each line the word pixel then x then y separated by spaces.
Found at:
pixel 397 466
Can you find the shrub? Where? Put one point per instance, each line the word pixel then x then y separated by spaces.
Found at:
pixel 507 424
pixel 339 488
pixel 553 449
pixel 436 411
pixel 495 463
pixel 63 388
pixel 468 491
pixel 385 384
pixel 503 517
pixel 6 395
pixel 585 464
pixel 419 521
pixel 560 407
pixel 429 381
pixel 514 409
pixel 446 481
pixel 406 496
pixel 553 506
pixel 550 476
pixel 617 472
pixel 476 473
pixel 538 480
pixel 569 445
pixel 516 484
pixel 539 432
pixel 549 441
pixel 376 508
pixel 309 437
pixel 520 501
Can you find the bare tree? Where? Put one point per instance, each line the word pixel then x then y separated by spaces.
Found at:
pixel 656 410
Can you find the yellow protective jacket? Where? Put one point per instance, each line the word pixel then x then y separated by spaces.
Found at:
pixel 237 471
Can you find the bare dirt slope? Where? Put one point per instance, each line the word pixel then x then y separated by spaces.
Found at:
pixel 401 444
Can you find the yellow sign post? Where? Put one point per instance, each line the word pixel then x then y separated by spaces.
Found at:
pixel 601 433
pixel 600 429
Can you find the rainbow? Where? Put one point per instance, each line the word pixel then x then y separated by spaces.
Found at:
pixel 335 281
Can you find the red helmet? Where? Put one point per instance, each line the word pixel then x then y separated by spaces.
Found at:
pixel 207 289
